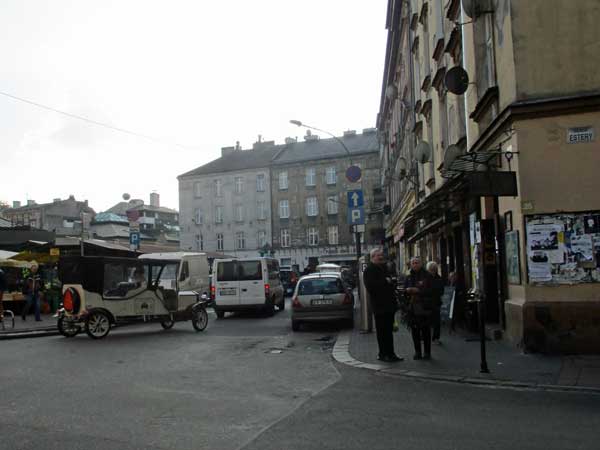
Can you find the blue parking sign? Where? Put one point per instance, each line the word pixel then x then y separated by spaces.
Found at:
pixel 134 239
pixel 356 216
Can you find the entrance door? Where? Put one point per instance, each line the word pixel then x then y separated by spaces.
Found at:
pixel 489 270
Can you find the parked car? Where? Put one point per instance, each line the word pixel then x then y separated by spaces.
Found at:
pixel 245 284
pixel 322 297
pixel 289 279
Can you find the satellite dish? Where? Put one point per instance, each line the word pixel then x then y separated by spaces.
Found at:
pixel 475 8
pixel 457 80
pixel 126 196
pixel 423 152
pixel 451 153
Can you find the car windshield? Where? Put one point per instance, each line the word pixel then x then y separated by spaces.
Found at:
pixel 321 286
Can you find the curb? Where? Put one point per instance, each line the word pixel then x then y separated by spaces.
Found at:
pixel 341 353
pixel 28 333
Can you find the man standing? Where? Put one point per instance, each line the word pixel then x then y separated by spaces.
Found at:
pixel 32 290
pixel 2 289
pixel 419 287
pixel 381 292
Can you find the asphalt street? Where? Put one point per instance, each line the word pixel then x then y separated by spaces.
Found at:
pixel 248 382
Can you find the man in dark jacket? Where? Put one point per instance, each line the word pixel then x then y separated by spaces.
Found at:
pixel 419 287
pixel 381 293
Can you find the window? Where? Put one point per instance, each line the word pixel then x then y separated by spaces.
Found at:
pixel 331 175
pixel 219 214
pixel 260 183
pixel 125 279
pixel 220 241
pixel 332 205
pixel 239 185
pixel 273 269
pixel 311 176
pixel 200 242
pixel 332 234
pixel 198 217
pixel 284 209
pixel 312 207
pixel 249 270
pixel 262 238
pixel 218 188
pixel 261 210
pixel 312 236
pixel 285 237
pixel 226 271
pixel 240 240
pixel 283 180
pixel 321 286
pixel 185 271
pixel 238 213
pixel 197 189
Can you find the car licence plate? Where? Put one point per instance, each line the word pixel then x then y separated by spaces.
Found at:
pixel 227 291
pixel 322 301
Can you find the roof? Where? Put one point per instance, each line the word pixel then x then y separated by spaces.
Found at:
pixel 121 208
pixel 236 161
pixel 155 208
pixel 316 275
pixel 327 148
pixel 109 217
pixel 84 207
pixel 5 223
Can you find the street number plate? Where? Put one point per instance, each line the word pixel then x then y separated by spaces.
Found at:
pixel 323 301
pixel 227 291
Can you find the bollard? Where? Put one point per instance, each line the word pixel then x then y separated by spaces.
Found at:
pixel 366 318
pixel 474 295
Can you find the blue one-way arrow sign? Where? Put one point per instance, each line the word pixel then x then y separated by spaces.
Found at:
pixel 355 198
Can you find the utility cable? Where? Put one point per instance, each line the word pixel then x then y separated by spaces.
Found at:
pixel 95 122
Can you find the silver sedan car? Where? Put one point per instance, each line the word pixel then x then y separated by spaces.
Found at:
pixel 322 297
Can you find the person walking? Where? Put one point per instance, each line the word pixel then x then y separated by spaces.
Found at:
pixel 418 286
pixel 437 290
pixel 2 289
pixel 380 287
pixel 32 294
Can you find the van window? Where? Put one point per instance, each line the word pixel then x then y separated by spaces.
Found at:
pixel 249 270
pixel 185 271
pixel 125 279
pixel 226 271
pixel 273 268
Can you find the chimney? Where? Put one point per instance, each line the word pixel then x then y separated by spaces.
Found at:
pixel 262 144
pixel 349 133
pixel 71 197
pixel 369 130
pixel 237 145
pixel 310 137
pixel 16 204
pixel 154 199
pixel 56 200
pixel 227 150
pixel 30 202
pixel 290 140
pixel 85 202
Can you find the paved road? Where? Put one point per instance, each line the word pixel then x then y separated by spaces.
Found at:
pixel 247 382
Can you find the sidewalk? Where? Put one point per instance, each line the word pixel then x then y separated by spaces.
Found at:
pixel 458 359
pixel 29 327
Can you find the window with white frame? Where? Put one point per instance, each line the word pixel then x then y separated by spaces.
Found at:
pixel 218 214
pixel 218 188
pixel 283 180
pixel 332 234
pixel 200 242
pixel 239 185
pixel 238 213
pixel 197 189
pixel 220 241
pixel 284 209
pixel 312 236
pixel 198 217
pixel 262 238
pixel 312 207
pixel 331 175
pixel 332 205
pixel 260 183
pixel 240 240
pixel 261 210
pixel 311 176
pixel 286 240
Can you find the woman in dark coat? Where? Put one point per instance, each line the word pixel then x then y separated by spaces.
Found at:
pixel 419 288
pixel 436 296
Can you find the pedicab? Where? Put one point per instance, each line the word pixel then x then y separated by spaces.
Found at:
pixel 103 292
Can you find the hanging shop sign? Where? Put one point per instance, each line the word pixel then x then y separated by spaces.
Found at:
pixel 563 248
pixel 491 183
pixel 580 135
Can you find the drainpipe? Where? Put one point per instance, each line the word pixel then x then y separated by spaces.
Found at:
pixel 464 64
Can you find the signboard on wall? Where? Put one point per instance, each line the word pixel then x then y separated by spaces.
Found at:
pixel 513 260
pixel 563 248
pixel 580 135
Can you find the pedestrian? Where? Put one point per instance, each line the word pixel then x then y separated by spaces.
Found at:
pixel 380 287
pixel 2 289
pixel 418 286
pixel 436 297
pixel 32 290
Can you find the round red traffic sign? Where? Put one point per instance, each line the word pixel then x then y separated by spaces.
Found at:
pixel 353 174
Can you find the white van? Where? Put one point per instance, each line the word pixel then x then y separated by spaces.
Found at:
pixel 246 283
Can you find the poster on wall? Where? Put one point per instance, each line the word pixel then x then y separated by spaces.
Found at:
pixel 513 263
pixel 563 248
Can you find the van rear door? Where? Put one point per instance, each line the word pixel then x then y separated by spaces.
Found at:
pixel 252 274
pixel 227 286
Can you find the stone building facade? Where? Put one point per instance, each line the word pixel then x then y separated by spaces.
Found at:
pixel 309 201
pixel 508 197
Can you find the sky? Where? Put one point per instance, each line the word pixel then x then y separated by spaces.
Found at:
pixel 194 76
